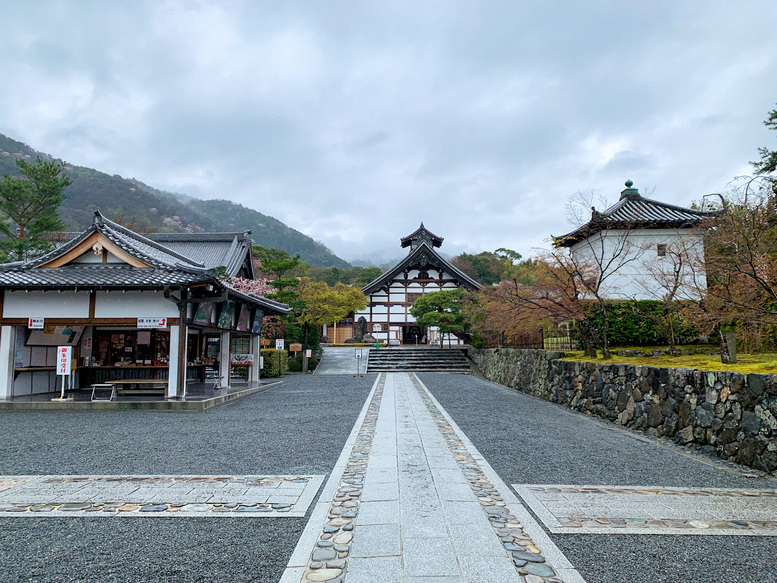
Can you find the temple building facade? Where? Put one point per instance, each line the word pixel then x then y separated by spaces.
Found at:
pixel 141 313
pixel 390 296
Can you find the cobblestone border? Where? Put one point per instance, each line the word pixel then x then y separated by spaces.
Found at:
pixel 120 508
pixel 583 523
pixel 527 557
pixel 329 559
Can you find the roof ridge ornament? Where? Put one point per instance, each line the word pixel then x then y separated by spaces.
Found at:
pixel 630 192
pixel 97 220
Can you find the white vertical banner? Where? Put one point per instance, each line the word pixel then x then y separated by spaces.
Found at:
pixel 64 365
pixel 64 360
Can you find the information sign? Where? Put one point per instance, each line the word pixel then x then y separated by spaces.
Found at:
pixel 279 344
pixel 152 322
pixel 64 360
pixel 295 347
pixel 358 353
pixel 35 323
pixel 242 359
pixel 308 353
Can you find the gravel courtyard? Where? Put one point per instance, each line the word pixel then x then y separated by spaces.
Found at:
pixel 300 428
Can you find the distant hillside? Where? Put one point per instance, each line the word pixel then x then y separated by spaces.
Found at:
pixel 150 210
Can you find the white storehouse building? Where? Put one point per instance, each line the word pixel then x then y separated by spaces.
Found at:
pixel 422 271
pixel 643 247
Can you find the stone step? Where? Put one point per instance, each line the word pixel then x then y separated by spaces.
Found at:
pixel 418 360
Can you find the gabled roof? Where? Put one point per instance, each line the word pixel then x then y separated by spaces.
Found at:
pixel 146 250
pixel 419 235
pixel 420 256
pixel 634 211
pixel 211 249
pixel 149 265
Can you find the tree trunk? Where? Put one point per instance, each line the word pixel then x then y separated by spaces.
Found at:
pixel 670 335
pixel 605 345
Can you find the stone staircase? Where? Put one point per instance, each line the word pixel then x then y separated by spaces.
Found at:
pixel 451 360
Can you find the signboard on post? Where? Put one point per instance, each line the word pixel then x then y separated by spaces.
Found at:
pixel 279 344
pixel 35 323
pixel 152 322
pixel 308 353
pixel 295 347
pixel 64 360
pixel 358 358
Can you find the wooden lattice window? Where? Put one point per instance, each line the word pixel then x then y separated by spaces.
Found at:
pixel 412 297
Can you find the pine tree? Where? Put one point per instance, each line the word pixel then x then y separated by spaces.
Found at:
pixel 29 209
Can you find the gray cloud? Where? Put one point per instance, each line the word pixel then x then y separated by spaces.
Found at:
pixel 355 121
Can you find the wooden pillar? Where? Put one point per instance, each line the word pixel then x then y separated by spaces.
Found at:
pixel 182 346
pixel 225 358
pixel 7 346
pixel 256 350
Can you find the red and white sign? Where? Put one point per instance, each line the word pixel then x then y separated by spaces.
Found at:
pixel 64 360
pixel 152 322
pixel 35 323
pixel 308 353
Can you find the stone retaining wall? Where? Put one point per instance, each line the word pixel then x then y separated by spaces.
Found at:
pixel 732 414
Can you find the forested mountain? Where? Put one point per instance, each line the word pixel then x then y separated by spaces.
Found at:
pixel 147 209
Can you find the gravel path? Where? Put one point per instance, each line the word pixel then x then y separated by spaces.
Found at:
pixel 529 441
pixel 296 427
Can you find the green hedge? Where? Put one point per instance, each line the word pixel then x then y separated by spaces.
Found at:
pixel 295 363
pixel 270 368
pixel 633 323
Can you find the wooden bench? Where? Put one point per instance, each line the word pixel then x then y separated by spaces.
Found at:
pixel 142 386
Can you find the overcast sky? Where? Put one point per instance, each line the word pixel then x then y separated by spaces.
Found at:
pixel 354 121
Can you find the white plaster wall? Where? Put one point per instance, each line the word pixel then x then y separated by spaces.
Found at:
pixel 134 305
pixel 46 304
pixel 635 273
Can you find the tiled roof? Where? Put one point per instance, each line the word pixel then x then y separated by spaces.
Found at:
pixel 634 211
pixel 423 234
pixel 99 277
pixel 148 251
pixel 268 305
pixel 423 253
pixel 183 260
pixel 210 249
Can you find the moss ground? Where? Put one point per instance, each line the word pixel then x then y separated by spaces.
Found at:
pixel 765 363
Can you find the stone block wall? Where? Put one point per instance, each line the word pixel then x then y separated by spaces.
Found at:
pixel 732 414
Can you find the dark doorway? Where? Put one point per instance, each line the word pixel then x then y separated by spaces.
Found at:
pixel 413 335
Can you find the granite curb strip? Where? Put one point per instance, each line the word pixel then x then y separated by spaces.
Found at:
pixel 520 530
pixel 299 565
pixel 643 510
pixel 148 496
pixel 166 405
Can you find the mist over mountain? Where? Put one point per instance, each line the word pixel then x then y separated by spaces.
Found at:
pixel 147 209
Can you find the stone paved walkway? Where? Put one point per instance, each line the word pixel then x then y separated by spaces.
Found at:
pixel 411 500
pixel 634 510
pixel 148 496
pixel 342 360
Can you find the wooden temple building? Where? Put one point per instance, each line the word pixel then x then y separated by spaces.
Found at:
pixel 422 271
pixel 141 312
